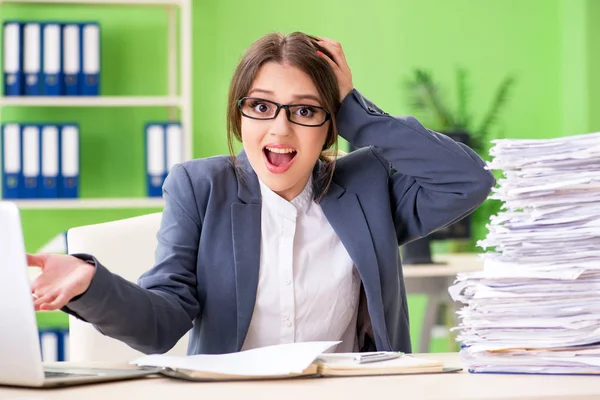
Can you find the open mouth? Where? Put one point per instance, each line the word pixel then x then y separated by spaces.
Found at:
pixel 279 159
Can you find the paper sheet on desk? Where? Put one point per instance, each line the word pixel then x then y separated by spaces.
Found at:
pixel 348 360
pixel 265 361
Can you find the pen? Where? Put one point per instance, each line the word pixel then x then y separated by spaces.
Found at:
pixel 374 357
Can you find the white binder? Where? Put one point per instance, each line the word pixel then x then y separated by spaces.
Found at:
pixel 71 59
pixel 90 59
pixel 155 159
pixel 32 63
pixel 51 49
pixel 50 161
pixel 11 161
pixel 174 142
pixel 69 172
pixel 31 161
pixel 13 73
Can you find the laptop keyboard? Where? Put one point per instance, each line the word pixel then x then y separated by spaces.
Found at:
pixel 55 374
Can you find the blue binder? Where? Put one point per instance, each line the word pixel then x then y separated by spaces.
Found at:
pixel 32 58
pixel 71 37
pixel 69 161
pixel 50 161
pixel 52 77
pixel 10 168
pixel 90 59
pixel 13 59
pixel 156 171
pixel 31 160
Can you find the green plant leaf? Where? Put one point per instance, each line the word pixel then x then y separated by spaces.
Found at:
pixel 497 104
pixel 424 97
pixel 463 119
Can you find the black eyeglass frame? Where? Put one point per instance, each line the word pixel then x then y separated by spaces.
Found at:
pixel 287 111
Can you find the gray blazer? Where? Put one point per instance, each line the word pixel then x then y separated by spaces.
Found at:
pixel 404 183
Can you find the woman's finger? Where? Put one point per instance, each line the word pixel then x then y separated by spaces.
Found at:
pixel 45 298
pixel 335 52
pixel 341 69
pixel 39 285
pixel 335 48
pixel 59 302
pixel 329 60
pixel 36 260
pixel 331 41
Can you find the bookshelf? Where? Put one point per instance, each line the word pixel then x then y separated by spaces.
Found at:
pixel 102 2
pixel 95 101
pixel 177 99
pixel 79 204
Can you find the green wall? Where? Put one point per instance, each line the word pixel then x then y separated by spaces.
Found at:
pixel 383 40
pixel 538 40
pixel 593 64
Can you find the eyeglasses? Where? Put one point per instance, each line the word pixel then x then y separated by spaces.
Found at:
pixel 300 114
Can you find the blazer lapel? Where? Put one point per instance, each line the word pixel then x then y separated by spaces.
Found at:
pixel 246 227
pixel 345 214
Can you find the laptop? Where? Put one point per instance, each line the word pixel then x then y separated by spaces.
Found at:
pixel 20 351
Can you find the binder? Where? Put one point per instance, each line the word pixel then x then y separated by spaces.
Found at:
pixel 90 59
pixel 71 59
pixel 50 161
pixel 32 58
pixel 51 60
pixel 30 149
pixel 69 160
pixel 174 144
pixel 155 159
pixel 13 72
pixel 11 161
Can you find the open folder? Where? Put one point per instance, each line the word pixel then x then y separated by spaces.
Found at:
pixel 306 359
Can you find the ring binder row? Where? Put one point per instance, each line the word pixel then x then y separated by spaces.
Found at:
pixel 40 161
pixel 164 148
pixel 51 58
pixel 43 160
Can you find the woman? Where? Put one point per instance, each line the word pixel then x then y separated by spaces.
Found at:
pixel 281 244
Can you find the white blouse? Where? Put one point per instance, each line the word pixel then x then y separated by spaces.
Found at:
pixel 308 287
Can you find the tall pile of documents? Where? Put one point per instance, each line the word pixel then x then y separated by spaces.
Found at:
pixel 535 307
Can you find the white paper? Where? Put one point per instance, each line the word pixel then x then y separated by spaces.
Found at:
pixel 348 360
pixel 539 291
pixel 276 360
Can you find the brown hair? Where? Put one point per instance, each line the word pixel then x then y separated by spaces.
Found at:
pixel 300 50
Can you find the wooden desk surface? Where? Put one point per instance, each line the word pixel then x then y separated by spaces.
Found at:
pixel 451 386
pixel 455 263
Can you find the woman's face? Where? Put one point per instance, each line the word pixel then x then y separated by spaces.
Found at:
pixel 282 153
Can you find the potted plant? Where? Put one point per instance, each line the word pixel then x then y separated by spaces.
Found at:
pixel 429 106
pixel 427 103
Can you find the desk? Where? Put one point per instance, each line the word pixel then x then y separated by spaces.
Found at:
pixel 434 280
pixel 453 386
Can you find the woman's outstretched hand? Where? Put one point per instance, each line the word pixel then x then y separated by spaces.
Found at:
pixel 62 278
pixel 339 65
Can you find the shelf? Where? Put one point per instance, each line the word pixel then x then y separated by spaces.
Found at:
pixel 99 2
pixel 71 204
pixel 89 101
pixel 177 98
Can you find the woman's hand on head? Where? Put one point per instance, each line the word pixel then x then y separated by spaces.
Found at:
pixel 62 278
pixel 339 65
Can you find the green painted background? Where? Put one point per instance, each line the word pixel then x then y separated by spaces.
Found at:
pixel 551 45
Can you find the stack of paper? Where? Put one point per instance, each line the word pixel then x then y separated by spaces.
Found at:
pixel 535 308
